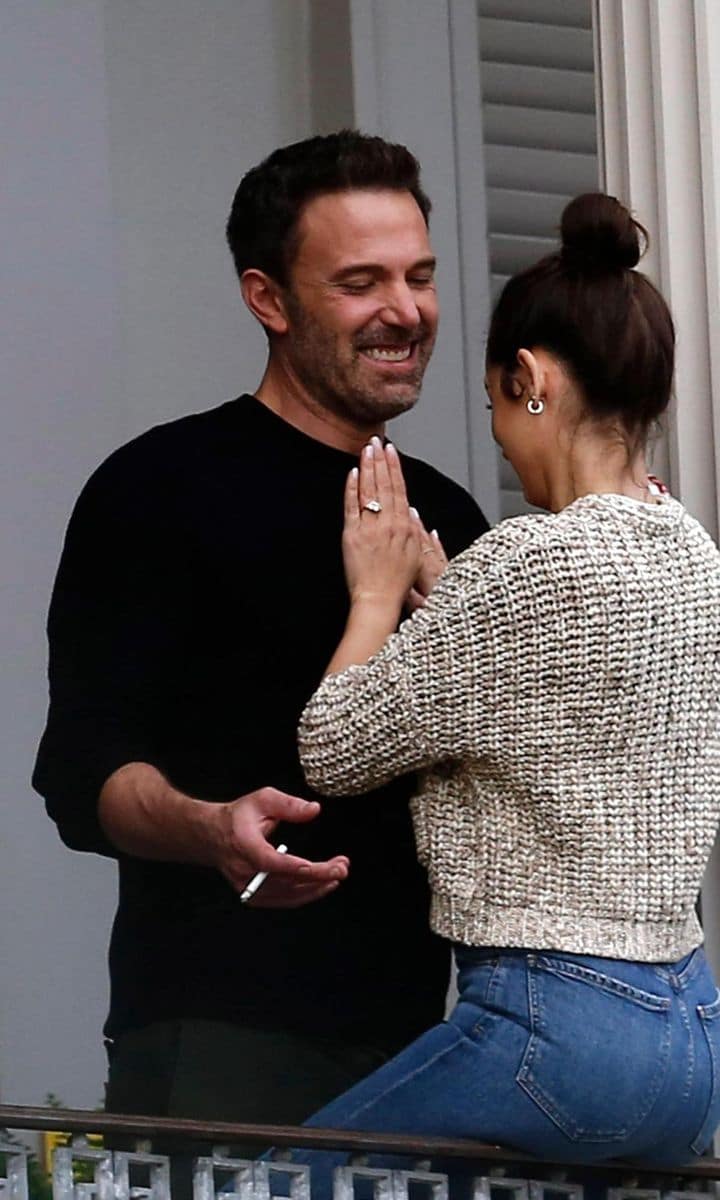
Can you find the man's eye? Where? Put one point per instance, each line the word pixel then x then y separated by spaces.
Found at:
pixel 421 280
pixel 355 287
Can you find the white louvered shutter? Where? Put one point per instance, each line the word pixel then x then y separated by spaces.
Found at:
pixel 538 99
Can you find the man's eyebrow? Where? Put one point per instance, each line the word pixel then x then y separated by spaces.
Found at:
pixel 372 268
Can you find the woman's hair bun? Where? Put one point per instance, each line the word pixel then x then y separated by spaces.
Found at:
pixel 599 234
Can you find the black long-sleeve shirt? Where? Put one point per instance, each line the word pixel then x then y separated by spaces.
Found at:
pixel 199 598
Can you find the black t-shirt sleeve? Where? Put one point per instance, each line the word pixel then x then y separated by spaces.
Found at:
pixel 109 632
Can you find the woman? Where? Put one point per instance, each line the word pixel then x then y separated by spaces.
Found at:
pixel 558 692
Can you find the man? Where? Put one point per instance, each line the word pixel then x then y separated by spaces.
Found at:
pixel 199 597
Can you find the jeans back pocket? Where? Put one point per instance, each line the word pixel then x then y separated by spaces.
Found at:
pixel 598 1050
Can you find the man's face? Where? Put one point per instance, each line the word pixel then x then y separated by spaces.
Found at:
pixel 361 304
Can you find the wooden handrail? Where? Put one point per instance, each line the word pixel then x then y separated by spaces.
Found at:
pixel 79 1121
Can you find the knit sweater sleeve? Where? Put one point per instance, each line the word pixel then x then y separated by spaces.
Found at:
pixel 417 702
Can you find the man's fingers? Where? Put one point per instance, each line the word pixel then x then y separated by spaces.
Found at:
pixel 283 807
pixel 281 891
pixel 333 868
pixel 280 894
pixel 286 867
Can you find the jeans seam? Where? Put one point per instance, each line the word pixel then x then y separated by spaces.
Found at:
pixel 685 1018
pixel 347 1117
pixel 493 983
pixel 605 982
pixel 698 1143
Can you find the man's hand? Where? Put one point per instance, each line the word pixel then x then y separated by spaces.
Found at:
pixel 145 816
pixel 243 850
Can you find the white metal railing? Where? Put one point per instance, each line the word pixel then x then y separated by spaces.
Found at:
pixel 116 1176
pixel 81 1171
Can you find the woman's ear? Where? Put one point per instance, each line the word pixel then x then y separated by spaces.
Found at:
pixel 531 373
pixel 264 298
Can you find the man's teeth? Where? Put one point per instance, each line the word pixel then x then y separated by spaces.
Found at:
pixel 384 355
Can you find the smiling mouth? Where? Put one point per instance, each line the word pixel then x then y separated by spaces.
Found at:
pixel 388 353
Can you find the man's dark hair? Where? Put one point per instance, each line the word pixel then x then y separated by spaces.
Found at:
pixel 262 227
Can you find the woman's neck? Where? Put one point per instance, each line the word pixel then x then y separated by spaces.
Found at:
pixel 597 464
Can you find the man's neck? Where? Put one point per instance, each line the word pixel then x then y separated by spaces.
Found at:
pixel 284 395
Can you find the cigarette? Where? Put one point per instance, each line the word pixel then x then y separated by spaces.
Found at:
pixel 258 880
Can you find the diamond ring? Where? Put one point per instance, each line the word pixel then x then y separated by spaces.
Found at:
pixel 373 506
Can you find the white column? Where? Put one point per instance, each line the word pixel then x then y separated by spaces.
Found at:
pixel 654 58
pixel 416 76
pixel 659 112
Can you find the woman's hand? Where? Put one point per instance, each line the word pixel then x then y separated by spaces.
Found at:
pixel 433 563
pixel 383 537
pixel 382 547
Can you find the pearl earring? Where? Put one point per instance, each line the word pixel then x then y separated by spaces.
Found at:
pixel 535 405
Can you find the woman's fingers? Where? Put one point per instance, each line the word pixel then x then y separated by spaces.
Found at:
pixel 433 561
pixel 397 479
pixel 414 600
pixel 367 489
pixel 352 504
pixel 439 548
pixel 382 477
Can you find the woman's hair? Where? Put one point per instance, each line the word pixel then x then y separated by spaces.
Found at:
pixel 607 323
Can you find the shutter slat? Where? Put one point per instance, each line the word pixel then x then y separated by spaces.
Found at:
pixel 516 125
pixel 510 253
pixel 575 13
pixel 497 283
pixel 538 87
pixel 536 214
pixel 545 170
pixel 541 45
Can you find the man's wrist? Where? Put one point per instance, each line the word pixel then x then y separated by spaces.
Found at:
pixel 144 815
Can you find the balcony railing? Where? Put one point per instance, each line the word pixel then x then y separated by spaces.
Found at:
pixel 496 1172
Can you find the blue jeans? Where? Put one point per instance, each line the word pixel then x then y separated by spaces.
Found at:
pixel 565 1056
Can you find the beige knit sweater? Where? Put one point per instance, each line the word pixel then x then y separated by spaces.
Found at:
pixel 559 693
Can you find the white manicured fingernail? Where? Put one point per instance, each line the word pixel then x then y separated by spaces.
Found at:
pixel 390 448
pixel 414 513
pixel 354 473
pixel 369 451
pixel 375 441
pixel 434 533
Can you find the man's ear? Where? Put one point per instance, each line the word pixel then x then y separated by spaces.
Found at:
pixel 264 298
pixel 531 373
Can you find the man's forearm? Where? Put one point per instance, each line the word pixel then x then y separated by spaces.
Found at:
pixel 143 815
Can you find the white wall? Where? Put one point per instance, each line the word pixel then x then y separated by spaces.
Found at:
pixel 193 103
pixel 126 127
pixel 59 393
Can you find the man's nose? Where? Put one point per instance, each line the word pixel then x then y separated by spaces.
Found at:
pixel 400 306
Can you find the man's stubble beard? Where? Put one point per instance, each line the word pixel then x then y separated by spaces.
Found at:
pixel 318 365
